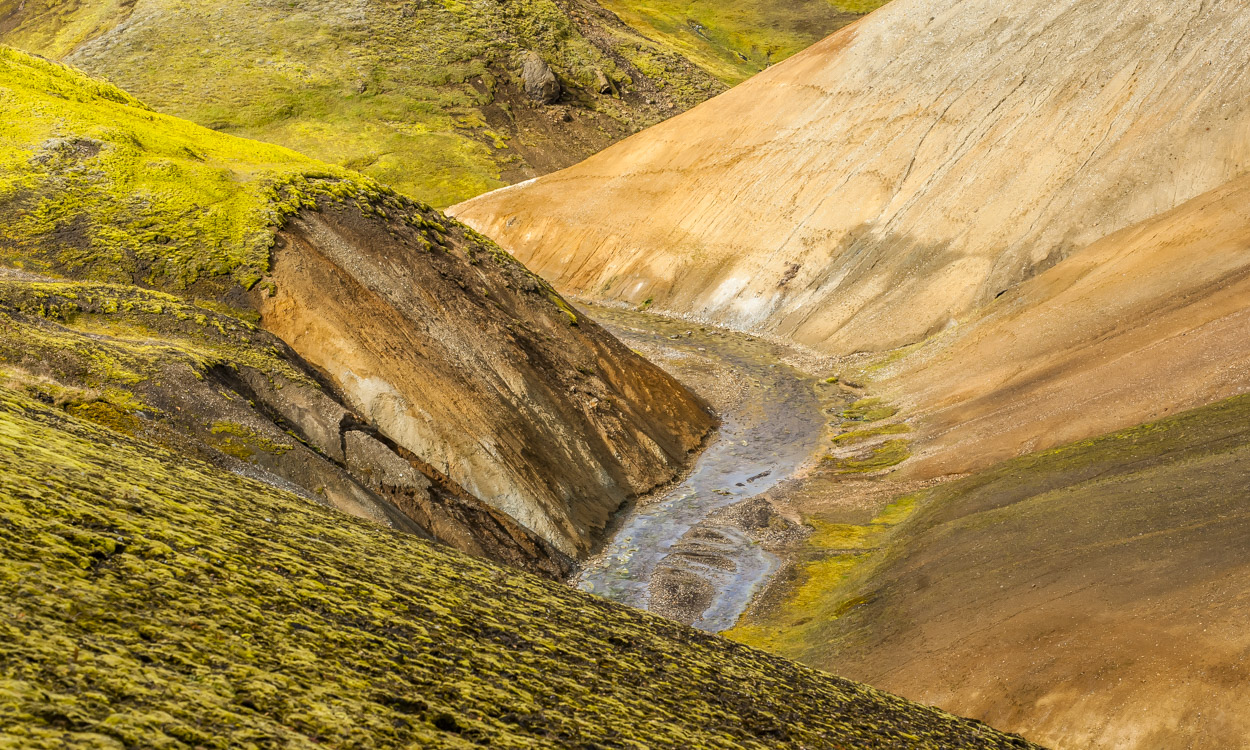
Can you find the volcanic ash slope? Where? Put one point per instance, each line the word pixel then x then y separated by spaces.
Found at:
pixel 888 180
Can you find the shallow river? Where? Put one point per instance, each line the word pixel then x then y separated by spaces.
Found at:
pixel 772 430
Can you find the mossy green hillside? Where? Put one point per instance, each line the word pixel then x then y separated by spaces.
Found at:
pixel 94 183
pixel 147 601
pixel 424 96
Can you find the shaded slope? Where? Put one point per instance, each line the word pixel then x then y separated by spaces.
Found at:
pixel 737 39
pixel 156 602
pixel 891 178
pixel 1088 596
pixel 515 391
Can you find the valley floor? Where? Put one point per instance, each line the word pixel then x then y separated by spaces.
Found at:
pixel 702 550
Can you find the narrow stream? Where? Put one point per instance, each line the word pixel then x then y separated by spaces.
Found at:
pixel 773 428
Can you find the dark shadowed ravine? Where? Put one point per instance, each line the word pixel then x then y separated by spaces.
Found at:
pixel 772 425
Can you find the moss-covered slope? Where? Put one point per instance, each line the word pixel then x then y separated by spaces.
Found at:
pixel 149 601
pixel 426 96
pixel 94 183
pixel 418 342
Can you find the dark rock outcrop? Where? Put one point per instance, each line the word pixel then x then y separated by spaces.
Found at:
pixel 540 82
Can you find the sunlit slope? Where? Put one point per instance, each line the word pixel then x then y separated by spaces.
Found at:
pixel 155 602
pixel 886 181
pixel 1149 321
pixel 426 97
pixel 436 354
pixel 1088 596
pixel 734 40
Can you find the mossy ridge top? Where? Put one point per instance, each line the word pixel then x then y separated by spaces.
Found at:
pixel 156 602
pixel 97 184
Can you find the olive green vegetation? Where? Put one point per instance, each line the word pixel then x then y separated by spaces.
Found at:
pixel 878 458
pixel 424 96
pixel 1116 485
pixel 94 183
pixel 868 410
pixel 832 559
pixel 109 353
pixel 150 601
pixel 856 436
pixel 734 40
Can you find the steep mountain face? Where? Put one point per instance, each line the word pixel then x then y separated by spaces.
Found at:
pixel 1040 208
pixel 380 357
pixel 147 600
pixel 887 181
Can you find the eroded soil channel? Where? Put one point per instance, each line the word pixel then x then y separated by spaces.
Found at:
pixel 696 552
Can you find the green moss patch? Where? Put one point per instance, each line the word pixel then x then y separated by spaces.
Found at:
pixel 858 436
pixel 869 410
pixel 149 601
pixel 831 561
pixel 879 458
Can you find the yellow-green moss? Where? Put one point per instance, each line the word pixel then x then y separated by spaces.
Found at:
pixel 243 442
pixel 833 558
pixel 737 38
pixel 880 457
pixel 857 436
pixel 869 410
pixel 94 183
pixel 149 601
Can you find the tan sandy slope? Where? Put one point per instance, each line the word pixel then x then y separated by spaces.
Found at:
pixel 1152 320
pixel 888 180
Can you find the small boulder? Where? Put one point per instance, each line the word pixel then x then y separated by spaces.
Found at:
pixel 540 83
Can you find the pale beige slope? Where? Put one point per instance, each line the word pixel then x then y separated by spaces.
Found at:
pixel 1152 320
pixel 892 177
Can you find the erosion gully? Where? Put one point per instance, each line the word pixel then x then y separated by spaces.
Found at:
pixel 772 425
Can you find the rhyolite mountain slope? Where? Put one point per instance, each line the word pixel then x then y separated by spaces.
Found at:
pixel 428 97
pixel 1040 210
pixel 1146 322
pixel 245 301
pixel 1089 596
pixel 148 600
pixel 883 183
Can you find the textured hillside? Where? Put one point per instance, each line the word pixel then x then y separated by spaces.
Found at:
pixel 1144 323
pixel 1091 595
pixel 153 602
pixel 427 97
pixel 891 178
pixel 437 365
